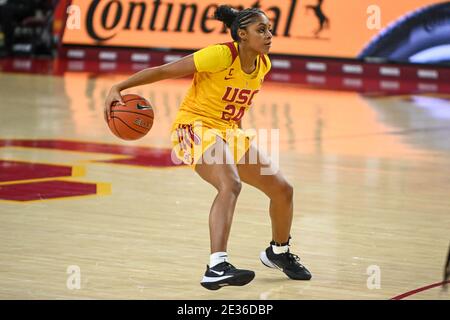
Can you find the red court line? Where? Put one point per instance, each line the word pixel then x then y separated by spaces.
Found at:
pixel 412 292
pixel 139 156
pixel 20 170
pixel 42 190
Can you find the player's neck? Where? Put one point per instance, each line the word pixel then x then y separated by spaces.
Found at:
pixel 247 57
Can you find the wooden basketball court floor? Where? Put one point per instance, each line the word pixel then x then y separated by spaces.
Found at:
pixel 84 215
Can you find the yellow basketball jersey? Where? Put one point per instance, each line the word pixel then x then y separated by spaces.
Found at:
pixel 221 92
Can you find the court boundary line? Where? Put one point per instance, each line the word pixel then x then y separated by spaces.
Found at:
pixel 415 291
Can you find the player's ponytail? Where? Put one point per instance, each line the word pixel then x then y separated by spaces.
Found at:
pixel 235 19
pixel 226 14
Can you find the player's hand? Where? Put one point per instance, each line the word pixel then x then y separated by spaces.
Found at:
pixel 113 96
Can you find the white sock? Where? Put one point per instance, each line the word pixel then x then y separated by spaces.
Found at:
pixel 216 258
pixel 280 249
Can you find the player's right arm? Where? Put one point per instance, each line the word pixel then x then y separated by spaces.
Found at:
pixel 177 69
pixel 210 59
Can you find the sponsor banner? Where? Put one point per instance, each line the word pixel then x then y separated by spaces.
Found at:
pixel 301 27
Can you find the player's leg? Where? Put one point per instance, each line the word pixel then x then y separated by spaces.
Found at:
pixel 280 193
pixel 222 175
pixel 277 189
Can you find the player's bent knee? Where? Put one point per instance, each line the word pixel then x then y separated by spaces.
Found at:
pixel 233 186
pixel 283 190
pixel 288 190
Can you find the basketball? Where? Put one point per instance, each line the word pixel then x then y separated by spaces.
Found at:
pixel 133 120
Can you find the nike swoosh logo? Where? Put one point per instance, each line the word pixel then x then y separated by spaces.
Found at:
pixel 215 279
pixel 217 272
pixel 226 78
pixel 143 107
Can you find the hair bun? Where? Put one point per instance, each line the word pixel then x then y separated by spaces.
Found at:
pixel 226 14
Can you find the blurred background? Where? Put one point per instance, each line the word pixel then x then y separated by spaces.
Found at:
pixel 414 31
pixel 317 42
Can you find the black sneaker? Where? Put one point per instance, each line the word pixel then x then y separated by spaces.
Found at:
pixel 287 262
pixel 225 274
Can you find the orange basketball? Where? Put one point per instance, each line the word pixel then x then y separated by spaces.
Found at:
pixel 132 120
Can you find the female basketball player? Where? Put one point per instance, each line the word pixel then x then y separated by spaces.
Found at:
pixel 226 78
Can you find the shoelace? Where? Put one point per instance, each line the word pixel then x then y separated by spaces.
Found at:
pixel 293 258
pixel 228 266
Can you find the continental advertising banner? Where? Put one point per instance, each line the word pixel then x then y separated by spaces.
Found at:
pixel 401 30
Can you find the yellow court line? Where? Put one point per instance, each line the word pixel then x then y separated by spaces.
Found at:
pixel 78 171
pixel 104 189
pixel 28 181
